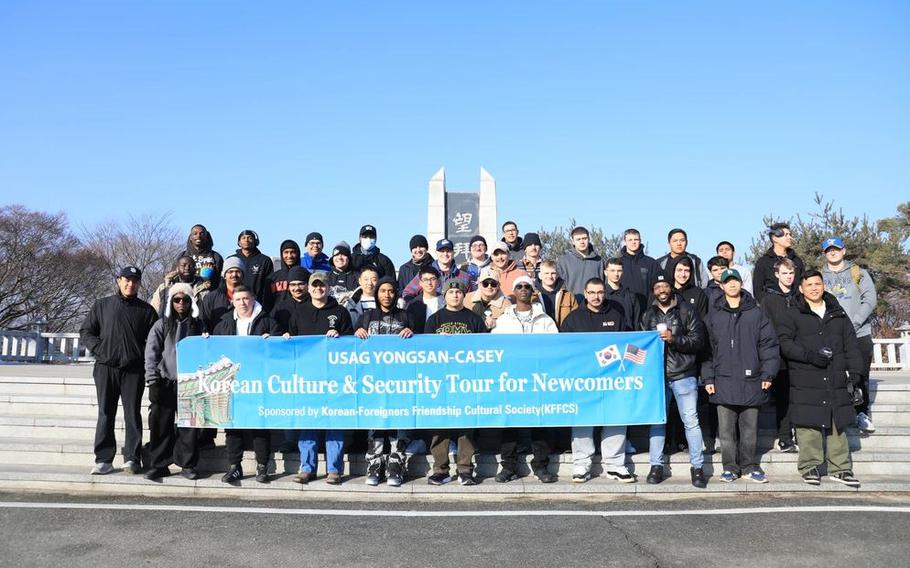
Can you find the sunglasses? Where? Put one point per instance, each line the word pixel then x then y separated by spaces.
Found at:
pixel 180 300
pixel 523 287
pixel 318 284
pixel 489 283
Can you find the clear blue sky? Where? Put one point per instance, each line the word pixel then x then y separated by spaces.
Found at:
pixel 292 117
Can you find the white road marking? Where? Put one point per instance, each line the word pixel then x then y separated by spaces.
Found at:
pixel 441 513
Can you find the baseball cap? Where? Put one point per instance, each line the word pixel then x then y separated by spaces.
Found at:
pixel 130 272
pixel 319 276
pixel 835 242
pixel 730 273
pixel 442 244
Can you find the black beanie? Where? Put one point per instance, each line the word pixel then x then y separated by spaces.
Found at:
pixel 477 238
pixel 314 236
pixel 289 244
pixel 419 241
pixel 531 239
pixel 298 273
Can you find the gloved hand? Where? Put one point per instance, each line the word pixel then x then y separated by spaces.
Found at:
pixel 818 359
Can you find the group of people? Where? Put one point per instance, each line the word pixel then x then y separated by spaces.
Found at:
pixel 734 337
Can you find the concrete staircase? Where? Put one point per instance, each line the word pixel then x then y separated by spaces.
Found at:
pixel 48 412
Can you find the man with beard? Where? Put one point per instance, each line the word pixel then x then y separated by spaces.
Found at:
pixel 290 257
pixel 530 261
pixel 115 332
pixel 598 315
pixel 167 443
pixel 322 315
pixel 386 319
pixel 684 336
pixel 366 254
pixel 209 264
pixel 478 259
pixel 526 317
pixel 185 273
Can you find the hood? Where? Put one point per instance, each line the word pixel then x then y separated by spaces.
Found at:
pixel 181 288
pixel 587 255
pixel 624 252
pixel 848 264
pixel 776 291
pixel 482 264
pixel 256 252
pixel 791 254
pixel 536 310
pixel 670 270
pixel 358 251
pixel 746 303
pixel 288 244
pixel 516 246
pixel 257 311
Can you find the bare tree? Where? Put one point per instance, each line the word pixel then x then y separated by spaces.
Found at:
pixel 46 274
pixel 148 241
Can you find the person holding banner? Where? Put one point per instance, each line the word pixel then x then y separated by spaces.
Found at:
pixel 248 318
pixel 525 317
pixel 322 315
pixel 597 315
pixel 684 335
pixel 168 444
pixel 386 319
pixel 455 318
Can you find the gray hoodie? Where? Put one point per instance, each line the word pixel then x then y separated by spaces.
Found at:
pixel 857 300
pixel 575 269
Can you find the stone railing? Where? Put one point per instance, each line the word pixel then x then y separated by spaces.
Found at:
pixel 35 347
pixel 891 354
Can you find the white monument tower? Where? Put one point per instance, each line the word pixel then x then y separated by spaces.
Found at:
pixel 459 216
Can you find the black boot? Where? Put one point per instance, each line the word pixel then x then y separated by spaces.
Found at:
pixel 698 478
pixel 656 475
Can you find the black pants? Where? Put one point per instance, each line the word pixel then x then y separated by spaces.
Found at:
pixel 541 446
pixel 865 349
pixel 234 441
pixel 738 452
pixel 780 389
pixel 169 444
pixel 111 385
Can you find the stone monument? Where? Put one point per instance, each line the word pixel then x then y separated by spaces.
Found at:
pixel 459 216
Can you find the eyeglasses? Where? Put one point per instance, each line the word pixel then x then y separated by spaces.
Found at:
pixel 523 287
pixel 430 279
pixel 180 300
pixel 489 283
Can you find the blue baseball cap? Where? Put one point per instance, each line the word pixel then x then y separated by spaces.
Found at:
pixel 835 242
pixel 443 244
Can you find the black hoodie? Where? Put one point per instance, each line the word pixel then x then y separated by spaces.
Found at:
pixel 278 280
pixel 310 320
pixel 374 258
pixel 203 254
pixel 610 317
pixel 763 276
pixel 639 271
pixel 259 268
pixel 689 293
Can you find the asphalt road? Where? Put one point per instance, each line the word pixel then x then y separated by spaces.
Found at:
pixel 497 533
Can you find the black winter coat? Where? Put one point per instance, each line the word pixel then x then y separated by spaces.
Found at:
pixel 213 307
pixel 115 331
pixel 743 352
pixel 284 309
pixel 763 276
pixel 260 325
pixel 775 303
pixel 818 388
pixel 695 297
pixel 375 259
pixel 256 277
pixel 630 301
pixel 639 271
pixel 689 338
pixel 410 269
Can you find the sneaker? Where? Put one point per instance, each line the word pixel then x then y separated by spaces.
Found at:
pixel 656 475
pixel 698 477
pixel 545 476
pixel 102 468
pixel 439 479
pixel 333 479
pixel 505 476
pixel 262 473
pixel 157 473
pixel 132 467
pixel 374 474
pixel 758 476
pixel 395 472
pixel 622 477
pixel 812 477
pixel 787 447
pixel 233 475
pixel 728 476
pixel 302 477
pixel 581 477
pixel 864 423
pixel 845 477
pixel 467 479
pixel 190 473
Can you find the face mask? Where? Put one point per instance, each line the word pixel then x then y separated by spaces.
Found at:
pixel 367 244
pixel 207 272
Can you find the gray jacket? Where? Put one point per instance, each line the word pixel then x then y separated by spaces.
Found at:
pixel 575 269
pixel 858 300
pixel 161 349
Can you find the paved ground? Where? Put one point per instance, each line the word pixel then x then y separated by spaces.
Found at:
pixel 621 531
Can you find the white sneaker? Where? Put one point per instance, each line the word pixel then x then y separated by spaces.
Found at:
pixel 102 468
pixel 864 423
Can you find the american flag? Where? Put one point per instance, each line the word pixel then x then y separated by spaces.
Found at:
pixel 635 354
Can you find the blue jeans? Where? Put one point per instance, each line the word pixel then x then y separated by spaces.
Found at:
pixel 685 391
pixel 334 450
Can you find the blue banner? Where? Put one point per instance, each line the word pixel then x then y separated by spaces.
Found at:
pixel 425 382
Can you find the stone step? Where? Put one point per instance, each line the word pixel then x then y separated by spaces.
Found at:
pixel 75 479
pixel 51 451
